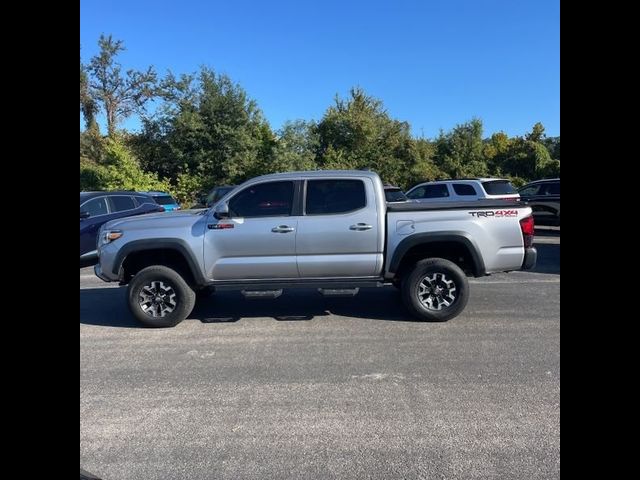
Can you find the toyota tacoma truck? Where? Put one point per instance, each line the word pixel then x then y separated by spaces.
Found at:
pixel 328 230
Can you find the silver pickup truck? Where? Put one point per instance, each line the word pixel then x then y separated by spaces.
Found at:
pixel 330 230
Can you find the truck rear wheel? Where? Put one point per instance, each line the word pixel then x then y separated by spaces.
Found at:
pixel 159 297
pixel 435 290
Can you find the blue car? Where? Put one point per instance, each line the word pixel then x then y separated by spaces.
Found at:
pixel 97 208
pixel 166 200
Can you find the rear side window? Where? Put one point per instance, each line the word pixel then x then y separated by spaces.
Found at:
pixel 164 200
pixel 464 189
pixel 531 190
pixel 273 199
pixel 97 206
pixel 121 203
pixel 498 187
pixel 334 196
pixel 553 189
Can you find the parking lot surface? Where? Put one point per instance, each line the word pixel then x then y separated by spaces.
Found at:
pixel 310 387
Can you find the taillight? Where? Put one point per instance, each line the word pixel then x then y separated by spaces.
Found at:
pixel 527 227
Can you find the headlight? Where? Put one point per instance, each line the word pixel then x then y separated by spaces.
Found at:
pixel 108 236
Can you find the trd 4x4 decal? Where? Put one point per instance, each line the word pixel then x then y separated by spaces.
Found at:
pixel 496 213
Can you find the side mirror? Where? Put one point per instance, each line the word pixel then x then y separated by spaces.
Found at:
pixel 84 214
pixel 221 211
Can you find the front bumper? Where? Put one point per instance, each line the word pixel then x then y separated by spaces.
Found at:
pixel 97 269
pixel 530 258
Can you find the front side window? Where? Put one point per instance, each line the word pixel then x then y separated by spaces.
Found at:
pixel 435 191
pixel 121 203
pixel 430 191
pixel 273 199
pixel 97 206
pixel 325 197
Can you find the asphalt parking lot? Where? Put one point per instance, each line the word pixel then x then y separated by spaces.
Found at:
pixel 311 387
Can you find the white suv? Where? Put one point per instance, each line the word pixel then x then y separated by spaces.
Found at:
pixel 463 190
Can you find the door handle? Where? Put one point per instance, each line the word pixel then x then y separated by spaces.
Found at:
pixel 360 226
pixel 282 229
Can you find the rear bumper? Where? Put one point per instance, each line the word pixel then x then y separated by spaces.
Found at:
pixel 530 258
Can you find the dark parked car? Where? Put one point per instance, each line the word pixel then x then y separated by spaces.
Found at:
pixel 394 194
pixel 208 199
pixel 543 196
pixel 217 193
pixel 97 208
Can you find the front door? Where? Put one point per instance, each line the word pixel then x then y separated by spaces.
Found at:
pixel 258 240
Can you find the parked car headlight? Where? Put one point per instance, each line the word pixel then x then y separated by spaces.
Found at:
pixel 108 236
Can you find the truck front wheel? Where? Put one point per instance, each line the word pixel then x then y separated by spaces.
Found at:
pixel 159 297
pixel 435 290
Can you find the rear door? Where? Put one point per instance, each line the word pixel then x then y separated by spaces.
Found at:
pixel 338 233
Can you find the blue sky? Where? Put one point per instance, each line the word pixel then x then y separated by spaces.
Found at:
pixel 434 63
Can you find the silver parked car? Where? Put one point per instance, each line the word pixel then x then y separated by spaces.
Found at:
pixel 463 190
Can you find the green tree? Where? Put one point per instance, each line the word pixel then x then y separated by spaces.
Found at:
pixel 119 94
pixel 357 132
pixel 536 134
pixel 297 144
pixel 119 171
pixel 209 128
pixel 460 152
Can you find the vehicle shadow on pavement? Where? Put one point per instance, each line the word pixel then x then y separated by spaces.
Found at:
pixel 548 258
pixel 107 307
pixel 302 305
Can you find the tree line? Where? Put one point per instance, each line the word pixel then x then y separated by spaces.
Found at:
pixel 201 129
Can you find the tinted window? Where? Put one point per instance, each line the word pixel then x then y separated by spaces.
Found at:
pixel 553 189
pixel 263 200
pixel 121 203
pixel 97 206
pixel 417 193
pixel 164 200
pixel 430 191
pixel 436 191
pixel 140 199
pixel 464 189
pixel 395 195
pixel 498 187
pixel 334 196
pixel 531 190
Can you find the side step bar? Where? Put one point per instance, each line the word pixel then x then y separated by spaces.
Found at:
pixel 339 292
pixel 261 293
